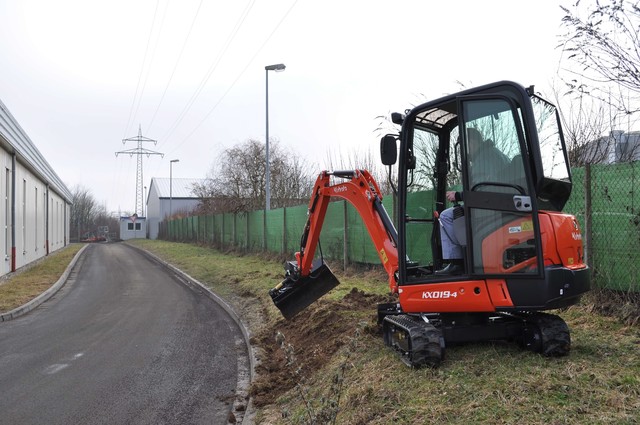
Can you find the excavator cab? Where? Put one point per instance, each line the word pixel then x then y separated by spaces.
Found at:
pixel 501 148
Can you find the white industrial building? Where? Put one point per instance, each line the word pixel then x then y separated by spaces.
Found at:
pixel 618 146
pixel 35 205
pixel 169 196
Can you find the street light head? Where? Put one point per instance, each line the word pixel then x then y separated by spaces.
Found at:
pixel 277 67
pixel 175 160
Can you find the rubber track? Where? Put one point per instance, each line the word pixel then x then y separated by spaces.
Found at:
pixel 425 341
pixel 554 334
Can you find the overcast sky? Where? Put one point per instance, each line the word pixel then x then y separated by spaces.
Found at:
pixel 81 75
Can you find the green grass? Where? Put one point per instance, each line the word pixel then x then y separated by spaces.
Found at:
pixel 27 284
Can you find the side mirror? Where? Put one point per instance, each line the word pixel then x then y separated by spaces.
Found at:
pixel 388 149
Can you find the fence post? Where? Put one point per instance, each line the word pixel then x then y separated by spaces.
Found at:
pixel 587 215
pixel 345 245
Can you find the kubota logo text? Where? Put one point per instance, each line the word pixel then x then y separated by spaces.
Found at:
pixel 339 189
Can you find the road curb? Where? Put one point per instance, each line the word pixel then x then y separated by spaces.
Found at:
pixel 197 285
pixel 24 309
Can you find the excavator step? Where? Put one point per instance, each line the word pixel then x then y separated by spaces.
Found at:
pixel 296 293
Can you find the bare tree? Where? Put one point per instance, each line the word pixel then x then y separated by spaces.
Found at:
pixel 605 44
pixel 291 180
pixel 360 160
pixel 237 182
pixel 585 123
pixel 87 215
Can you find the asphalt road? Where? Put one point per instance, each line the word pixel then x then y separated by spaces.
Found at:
pixel 121 343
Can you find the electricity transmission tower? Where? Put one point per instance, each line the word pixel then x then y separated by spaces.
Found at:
pixel 139 151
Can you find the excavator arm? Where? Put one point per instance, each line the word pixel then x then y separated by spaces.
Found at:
pixel 307 279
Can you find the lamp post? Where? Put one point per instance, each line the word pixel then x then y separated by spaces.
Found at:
pixel 171 185
pixel 278 68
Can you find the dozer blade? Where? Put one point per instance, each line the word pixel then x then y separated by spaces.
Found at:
pixel 293 295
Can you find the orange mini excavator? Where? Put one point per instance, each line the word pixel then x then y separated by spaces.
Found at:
pixel 520 254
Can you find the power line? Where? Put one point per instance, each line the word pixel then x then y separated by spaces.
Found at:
pixel 144 60
pixel 146 77
pixel 212 68
pixel 184 44
pixel 237 78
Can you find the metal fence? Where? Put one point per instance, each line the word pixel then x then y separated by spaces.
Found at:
pixel 604 199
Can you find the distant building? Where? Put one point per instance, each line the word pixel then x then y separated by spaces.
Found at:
pixel 167 197
pixel 628 146
pixel 133 227
pixel 35 205
pixel 618 146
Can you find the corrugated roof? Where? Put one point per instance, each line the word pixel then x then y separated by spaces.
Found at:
pixel 26 150
pixel 182 187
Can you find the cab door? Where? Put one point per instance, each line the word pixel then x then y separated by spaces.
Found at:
pixel 502 229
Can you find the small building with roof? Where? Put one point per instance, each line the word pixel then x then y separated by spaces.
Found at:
pixel 133 227
pixel 168 197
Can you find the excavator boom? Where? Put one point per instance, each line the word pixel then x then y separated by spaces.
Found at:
pixel 306 278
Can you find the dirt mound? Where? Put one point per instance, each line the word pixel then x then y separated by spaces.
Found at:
pixel 315 335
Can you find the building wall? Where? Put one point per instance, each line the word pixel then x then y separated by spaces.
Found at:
pixel 153 212
pixel 33 217
pixel 177 205
pixel 34 203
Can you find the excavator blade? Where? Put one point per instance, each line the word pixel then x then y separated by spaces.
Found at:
pixel 295 294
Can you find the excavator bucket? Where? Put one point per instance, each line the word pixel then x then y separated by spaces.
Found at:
pixel 295 293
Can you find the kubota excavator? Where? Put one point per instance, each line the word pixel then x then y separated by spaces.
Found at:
pixel 521 254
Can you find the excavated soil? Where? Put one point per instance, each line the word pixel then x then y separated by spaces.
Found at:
pixel 315 334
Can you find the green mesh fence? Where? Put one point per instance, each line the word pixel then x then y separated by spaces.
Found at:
pixel 275 230
pixel 615 232
pixel 422 205
pixel 360 248
pixel 256 235
pixel 296 218
pixel 604 199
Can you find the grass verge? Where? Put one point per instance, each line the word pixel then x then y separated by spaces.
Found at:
pixel 24 285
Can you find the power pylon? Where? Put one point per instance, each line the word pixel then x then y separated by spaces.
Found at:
pixel 139 151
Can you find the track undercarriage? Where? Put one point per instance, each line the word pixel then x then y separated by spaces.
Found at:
pixel 420 339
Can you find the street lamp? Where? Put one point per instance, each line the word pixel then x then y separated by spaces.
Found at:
pixel 278 68
pixel 171 185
